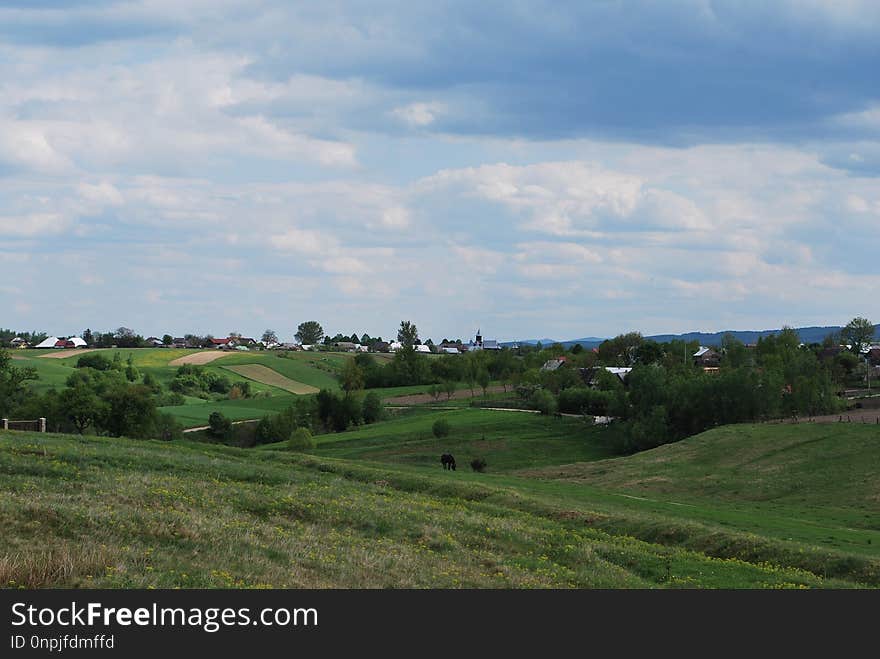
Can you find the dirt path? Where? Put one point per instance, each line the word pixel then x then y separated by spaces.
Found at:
pixel 266 375
pixel 67 352
pixel 234 423
pixel 198 358
pixel 852 416
pixel 419 399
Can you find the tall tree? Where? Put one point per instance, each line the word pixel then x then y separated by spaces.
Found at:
pixel 858 333
pixel 309 332
pixel 352 377
pixel 269 337
pixel 13 383
pixel 408 334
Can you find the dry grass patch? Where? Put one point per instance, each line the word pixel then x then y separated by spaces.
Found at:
pixel 198 358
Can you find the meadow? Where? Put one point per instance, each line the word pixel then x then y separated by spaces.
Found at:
pixel 361 511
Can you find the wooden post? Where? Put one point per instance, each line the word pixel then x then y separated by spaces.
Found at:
pixel 42 424
pixel 5 424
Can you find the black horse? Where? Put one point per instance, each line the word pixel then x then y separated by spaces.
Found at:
pixel 447 461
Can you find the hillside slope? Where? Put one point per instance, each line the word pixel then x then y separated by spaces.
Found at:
pixel 120 513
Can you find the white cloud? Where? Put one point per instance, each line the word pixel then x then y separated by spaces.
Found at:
pixel 419 115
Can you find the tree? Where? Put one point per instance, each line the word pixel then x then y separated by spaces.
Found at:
pixel 81 406
pixel 408 334
pixel 269 337
pixel 544 402
pixel 483 380
pixel 352 377
pixel 373 410
pixel 449 387
pixel 131 372
pixel 131 411
pixel 13 387
pixel 219 426
pixel 309 332
pixel 167 340
pixel 87 336
pixel 858 333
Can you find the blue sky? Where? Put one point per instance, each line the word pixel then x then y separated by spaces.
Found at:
pixel 533 169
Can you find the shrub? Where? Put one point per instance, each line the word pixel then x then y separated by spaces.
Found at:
pixel 219 426
pixel 373 410
pixel 441 428
pixel 168 428
pixel 544 402
pixel 478 464
pixel 94 360
pixel 301 440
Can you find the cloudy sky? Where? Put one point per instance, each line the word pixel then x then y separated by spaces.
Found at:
pixel 534 169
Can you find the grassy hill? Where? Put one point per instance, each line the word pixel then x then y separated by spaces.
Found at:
pixel 121 513
pixel 506 440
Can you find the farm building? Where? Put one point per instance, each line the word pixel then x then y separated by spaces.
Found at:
pixel 554 364
pixel 72 342
pixel 48 342
pixel 706 357
pixel 450 351
pixel 422 348
pixel 381 346
pixel 18 342
pixel 591 375
pixel 179 342
pixel 154 342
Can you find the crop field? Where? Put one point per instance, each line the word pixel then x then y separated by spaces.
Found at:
pixel 117 513
pixel 317 370
pixel 265 375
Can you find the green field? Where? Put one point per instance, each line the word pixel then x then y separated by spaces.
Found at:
pixel 506 440
pixel 741 506
pixel 197 413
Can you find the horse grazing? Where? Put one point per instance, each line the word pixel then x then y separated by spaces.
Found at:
pixel 447 461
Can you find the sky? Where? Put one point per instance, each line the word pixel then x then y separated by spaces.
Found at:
pixel 532 169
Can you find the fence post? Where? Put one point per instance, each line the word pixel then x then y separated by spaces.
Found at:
pixel 42 424
pixel 5 424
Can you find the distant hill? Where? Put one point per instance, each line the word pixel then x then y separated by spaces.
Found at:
pixel 807 335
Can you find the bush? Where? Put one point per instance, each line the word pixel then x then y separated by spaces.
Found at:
pixel 544 402
pixel 478 464
pixel 301 440
pixel 373 410
pixel 441 428
pixel 94 360
pixel 168 428
pixel 219 426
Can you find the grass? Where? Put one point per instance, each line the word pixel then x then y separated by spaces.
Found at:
pixel 316 369
pixel 506 440
pixel 115 513
pixel 265 375
pixel 196 414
